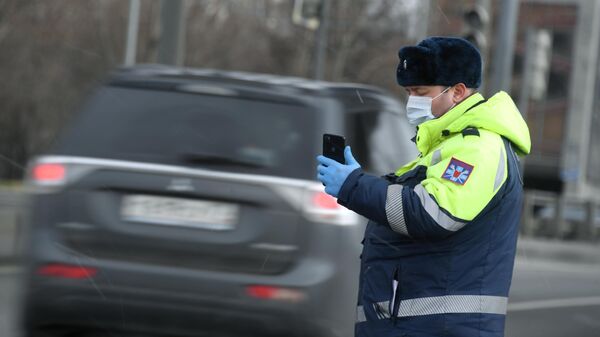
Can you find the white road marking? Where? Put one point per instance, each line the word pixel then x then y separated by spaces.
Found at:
pixel 525 265
pixel 554 303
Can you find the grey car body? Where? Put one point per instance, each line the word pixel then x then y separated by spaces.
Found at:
pixel 107 251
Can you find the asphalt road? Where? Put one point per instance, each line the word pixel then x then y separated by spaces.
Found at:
pixel 552 299
pixel 548 299
pixel 8 300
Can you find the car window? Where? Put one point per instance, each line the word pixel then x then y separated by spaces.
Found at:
pixel 214 132
pixel 360 126
pixel 380 140
pixel 390 145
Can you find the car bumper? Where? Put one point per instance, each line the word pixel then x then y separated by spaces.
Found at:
pixel 173 301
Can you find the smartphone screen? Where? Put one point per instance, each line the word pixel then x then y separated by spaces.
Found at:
pixel 333 147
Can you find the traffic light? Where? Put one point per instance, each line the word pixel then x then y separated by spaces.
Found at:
pixel 307 13
pixel 541 50
pixel 476 21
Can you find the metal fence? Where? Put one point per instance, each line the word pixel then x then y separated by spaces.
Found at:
pixel 554 216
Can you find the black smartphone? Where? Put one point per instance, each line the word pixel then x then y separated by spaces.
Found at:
pixel 333 147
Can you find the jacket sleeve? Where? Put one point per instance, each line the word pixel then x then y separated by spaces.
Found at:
pixel 365 194
pixel 454 191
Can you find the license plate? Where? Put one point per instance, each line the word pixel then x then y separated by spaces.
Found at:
pixel 179 212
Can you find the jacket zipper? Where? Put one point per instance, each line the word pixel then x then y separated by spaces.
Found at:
pixel 395 303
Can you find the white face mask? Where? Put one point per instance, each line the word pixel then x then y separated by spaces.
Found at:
pixel 418 108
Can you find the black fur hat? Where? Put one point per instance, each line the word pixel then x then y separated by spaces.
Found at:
pixel 439 61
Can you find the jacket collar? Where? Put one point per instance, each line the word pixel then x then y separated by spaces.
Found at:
pixel 429 134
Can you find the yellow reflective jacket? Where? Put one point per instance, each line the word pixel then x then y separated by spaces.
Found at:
pixel 471 133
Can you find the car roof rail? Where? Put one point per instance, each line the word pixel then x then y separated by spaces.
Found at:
pixel 238 77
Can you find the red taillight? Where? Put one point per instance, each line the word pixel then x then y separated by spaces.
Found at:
pixel 49 172
pixel 67 271
pixel 324 200
pixel 275 293
pixel 261 291
pixel 321 207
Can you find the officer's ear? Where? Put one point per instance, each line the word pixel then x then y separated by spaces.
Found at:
pixel 459 93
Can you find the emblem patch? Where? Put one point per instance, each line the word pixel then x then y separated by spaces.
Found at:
pixel 457 171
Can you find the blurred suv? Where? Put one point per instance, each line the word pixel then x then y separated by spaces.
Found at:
pixel 185 202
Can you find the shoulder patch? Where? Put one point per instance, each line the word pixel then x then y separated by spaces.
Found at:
pixel 457 171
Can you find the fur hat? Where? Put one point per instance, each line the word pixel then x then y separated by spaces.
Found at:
pixel 439 61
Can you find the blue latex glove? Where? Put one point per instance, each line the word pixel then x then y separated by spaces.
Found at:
pixel 333 174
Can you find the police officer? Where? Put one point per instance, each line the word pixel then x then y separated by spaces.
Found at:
pixel 439 248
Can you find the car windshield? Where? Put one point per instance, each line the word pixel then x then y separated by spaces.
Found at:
pixel 214 132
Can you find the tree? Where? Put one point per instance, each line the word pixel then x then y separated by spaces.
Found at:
pixel 54 53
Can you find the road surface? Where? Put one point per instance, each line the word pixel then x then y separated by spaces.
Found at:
pixel 548 299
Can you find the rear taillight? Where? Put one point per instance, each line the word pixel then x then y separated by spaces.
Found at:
pixel 275 293
pixel 321 207
pixel 66 271
pixel 47 176
pixel 324 200
pixel 48 173
pixel 315 205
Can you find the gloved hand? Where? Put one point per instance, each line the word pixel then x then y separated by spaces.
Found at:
pixel 333 174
